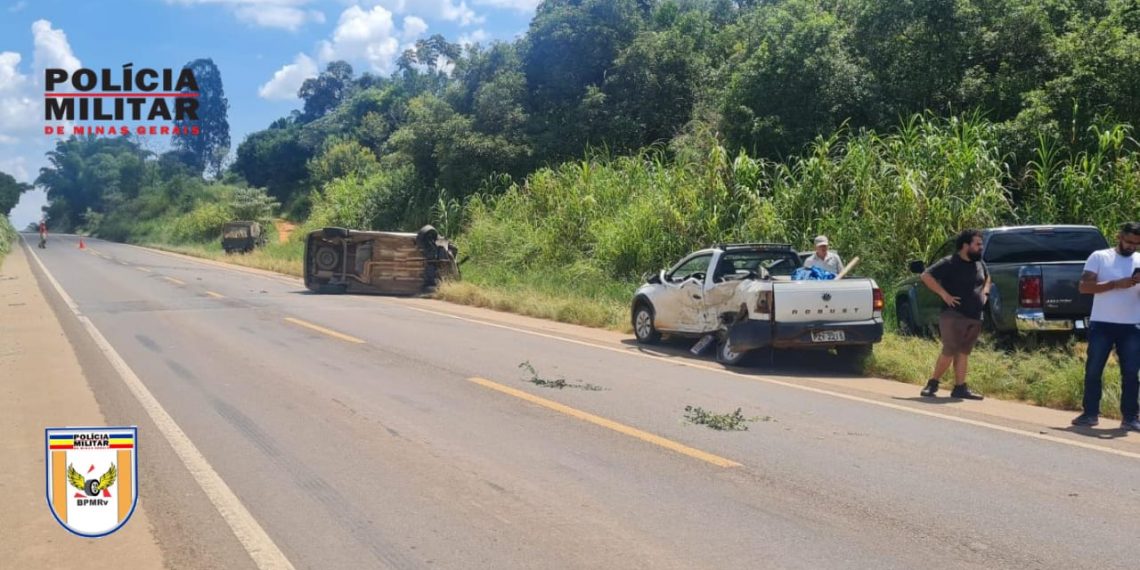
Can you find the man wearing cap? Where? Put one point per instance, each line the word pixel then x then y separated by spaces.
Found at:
pixel 824 259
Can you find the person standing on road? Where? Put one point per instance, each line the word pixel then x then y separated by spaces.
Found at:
pixel 1110 276
pixel 43 234
pixel 963 283
pixel 824 259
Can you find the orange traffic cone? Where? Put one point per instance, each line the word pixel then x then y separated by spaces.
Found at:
pixel 81 244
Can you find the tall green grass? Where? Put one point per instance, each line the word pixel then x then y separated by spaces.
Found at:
pixel 7 237
pixel 885 198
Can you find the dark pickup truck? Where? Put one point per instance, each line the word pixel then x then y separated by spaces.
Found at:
pixel 1035 272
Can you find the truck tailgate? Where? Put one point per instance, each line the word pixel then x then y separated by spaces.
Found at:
pixel 1060 294
pixel 818 300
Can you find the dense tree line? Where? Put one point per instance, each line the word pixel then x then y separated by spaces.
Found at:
pixel 763 77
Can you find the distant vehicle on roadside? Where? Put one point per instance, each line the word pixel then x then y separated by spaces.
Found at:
pixel 745 296
pixel 339 260
pixel 1035 270
pixel 242 235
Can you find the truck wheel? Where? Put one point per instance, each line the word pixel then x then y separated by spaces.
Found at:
pixel 905 324
pixel 643 327
pixel 727 356
pixel 853 357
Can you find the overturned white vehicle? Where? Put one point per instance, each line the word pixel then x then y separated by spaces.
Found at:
pixel 744 294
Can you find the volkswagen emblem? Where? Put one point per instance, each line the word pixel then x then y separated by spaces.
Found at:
pixel 826 297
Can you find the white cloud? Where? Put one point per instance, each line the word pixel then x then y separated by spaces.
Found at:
pixel 527 6
pixel 21 114
pixel 52 48
pixel 477 37
pixel 369 36
pixel 282 14
pixel 362 35
pixel 413 27
pixel 273 16
pixel 287 80
pixel 446 10
pixel 22 140
pixel 10 77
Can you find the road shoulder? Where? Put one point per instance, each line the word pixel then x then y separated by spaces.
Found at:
pixel 43 385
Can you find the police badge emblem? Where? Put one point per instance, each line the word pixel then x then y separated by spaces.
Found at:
pixel 92 478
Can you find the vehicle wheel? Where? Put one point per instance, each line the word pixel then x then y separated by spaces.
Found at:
pixel 643 327
pixel 728 357
pixel 853 357
pixel 327 258
pixel 427 236
pixel 905 323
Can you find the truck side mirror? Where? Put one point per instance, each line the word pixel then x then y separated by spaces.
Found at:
pixel 917 266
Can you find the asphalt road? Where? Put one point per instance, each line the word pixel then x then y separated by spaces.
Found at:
pixel 361 433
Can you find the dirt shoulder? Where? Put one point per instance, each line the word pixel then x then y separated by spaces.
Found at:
pixel 43 385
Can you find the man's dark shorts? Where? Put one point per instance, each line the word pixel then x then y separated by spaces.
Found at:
pixel 959 333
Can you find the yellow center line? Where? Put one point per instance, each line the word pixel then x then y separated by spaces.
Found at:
pixel 323 330
pixel 175 281
pixel 143 269
pixel 788 384
pixel 215 295
pixel 608 424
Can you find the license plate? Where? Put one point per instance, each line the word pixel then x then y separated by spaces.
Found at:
pixel 828 336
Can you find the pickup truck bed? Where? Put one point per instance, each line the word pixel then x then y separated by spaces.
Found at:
pixel 744 295
pixel 1035 272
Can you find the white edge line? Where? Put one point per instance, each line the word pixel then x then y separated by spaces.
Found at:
pixel 261 548
pixel 747 378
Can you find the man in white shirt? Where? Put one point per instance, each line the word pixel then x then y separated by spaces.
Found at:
pixel 824 259
pixel 1111 276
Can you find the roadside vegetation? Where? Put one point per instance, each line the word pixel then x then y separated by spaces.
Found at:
pixel 673 125
pixel 7 237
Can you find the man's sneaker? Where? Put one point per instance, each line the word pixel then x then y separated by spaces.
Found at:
pixel 1088 420
pixel 1130 424
pixel 963 391
pixel 931 388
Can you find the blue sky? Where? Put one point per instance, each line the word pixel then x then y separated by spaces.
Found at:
pixel 263 48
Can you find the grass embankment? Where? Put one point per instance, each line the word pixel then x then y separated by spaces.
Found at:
pixel 7 237
pixel 284 258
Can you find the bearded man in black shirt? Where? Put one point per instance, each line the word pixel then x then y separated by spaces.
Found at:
pixel 963 283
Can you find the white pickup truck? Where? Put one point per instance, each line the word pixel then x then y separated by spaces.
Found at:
pixel 745 295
